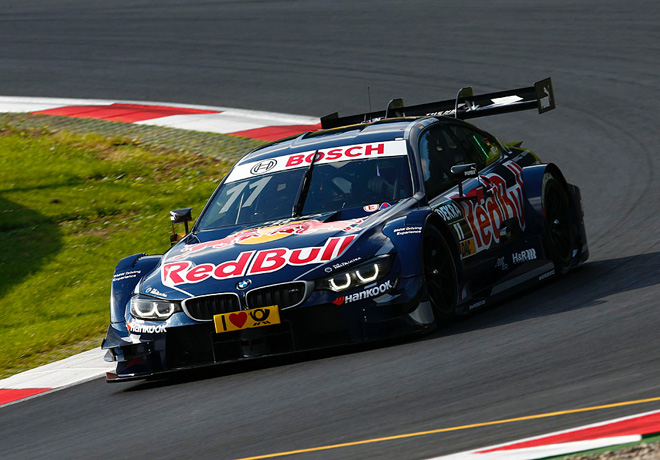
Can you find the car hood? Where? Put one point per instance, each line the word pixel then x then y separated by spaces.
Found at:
pixel 274 253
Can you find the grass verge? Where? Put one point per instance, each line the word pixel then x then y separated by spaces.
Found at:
pixel 75 197
pixel 647 448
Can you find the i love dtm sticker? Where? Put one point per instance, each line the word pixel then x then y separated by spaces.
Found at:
pixel 257 317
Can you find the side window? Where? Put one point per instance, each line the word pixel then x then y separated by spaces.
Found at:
pixel 482 150
pixel 440 150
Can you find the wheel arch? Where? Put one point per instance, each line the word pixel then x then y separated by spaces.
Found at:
pixel 533 180
pixel 128 273
pixel 434 220
pixel 533 183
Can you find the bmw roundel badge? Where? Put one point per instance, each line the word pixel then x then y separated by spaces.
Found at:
pixel 242 284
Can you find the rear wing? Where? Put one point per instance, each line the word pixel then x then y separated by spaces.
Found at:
pixel 466 105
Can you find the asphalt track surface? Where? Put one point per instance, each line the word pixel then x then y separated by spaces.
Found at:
pixel 585 340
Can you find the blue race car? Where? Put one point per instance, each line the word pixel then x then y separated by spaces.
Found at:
pixel 380 225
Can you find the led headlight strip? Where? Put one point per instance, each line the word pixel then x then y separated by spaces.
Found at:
pixel 356 277
pixel 153 309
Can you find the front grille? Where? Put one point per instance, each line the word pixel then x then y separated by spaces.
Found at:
pixel 203 308
pixel 283 295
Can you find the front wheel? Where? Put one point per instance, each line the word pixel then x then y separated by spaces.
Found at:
pixel 558 237
pixel 440 277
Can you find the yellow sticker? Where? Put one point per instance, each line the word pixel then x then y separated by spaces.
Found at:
pixel 245 319
pixel 468 247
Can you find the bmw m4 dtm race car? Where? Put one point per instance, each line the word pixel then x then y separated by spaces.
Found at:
pixel 380 225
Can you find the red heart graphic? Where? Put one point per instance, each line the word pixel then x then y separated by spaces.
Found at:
pixel 238 319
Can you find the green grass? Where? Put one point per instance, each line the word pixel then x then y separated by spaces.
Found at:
pixel 612 451
pixel 71 206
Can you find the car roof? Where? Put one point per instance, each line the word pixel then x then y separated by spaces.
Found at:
pixel 379 131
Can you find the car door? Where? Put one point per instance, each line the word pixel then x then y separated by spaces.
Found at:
pixel 482 217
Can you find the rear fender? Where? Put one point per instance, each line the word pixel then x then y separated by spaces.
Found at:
pixel 581 250
pixel 128 273
pixel 533 180
pixel 533 183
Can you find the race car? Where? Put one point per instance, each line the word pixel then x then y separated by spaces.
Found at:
pixel 380 225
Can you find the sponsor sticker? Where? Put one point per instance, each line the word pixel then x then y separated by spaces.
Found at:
pixel 262 167
pixel 272 233
pixel 332 155
pixel 366 294
pixel 501 264
pixel 257 317
pixel 523 256
pixel 450 212
pixel 371 208
pixel 155 292
pixel 547 275
pixel 253 262
pixel 407 231
pixel 485 217
pixel 468 247
pixel 141 328
pixel 343 264
pixel 125 275
pixel 477 305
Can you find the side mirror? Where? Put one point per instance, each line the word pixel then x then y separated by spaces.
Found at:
pixel 176 217
pixel 462 172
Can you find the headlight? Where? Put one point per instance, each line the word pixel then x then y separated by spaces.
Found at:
pixel 356 277
pixel 151 308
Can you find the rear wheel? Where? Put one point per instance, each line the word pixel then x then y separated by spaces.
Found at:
pixel 558 235
pixel 439 275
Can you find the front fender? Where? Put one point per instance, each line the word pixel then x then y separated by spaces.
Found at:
pixel 128 273
pixel 406 234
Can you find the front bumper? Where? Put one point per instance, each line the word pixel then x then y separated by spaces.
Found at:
pixel 400 312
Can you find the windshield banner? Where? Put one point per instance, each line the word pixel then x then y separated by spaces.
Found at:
pixel 332 155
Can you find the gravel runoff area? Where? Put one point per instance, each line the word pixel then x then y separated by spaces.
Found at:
pixel 225 147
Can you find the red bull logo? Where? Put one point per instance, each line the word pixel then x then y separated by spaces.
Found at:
pixel 486 217
pixel 253 262
pixel 272 233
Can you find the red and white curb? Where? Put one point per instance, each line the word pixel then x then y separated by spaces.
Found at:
pixel 54 376
pixel 268 126
pixel 604 434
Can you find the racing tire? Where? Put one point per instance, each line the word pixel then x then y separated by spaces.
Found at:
pixel 440 279
pixel 558 236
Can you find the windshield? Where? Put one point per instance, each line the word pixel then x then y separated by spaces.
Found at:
pixel 334 186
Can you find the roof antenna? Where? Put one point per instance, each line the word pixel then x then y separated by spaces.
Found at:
pixel 369 96
pixel 366 115
pixel 462 93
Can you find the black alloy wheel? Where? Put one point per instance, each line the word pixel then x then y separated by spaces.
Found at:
pixel 558 227
pixel 439 275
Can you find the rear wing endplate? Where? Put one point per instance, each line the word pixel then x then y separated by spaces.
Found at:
pixel 465 106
